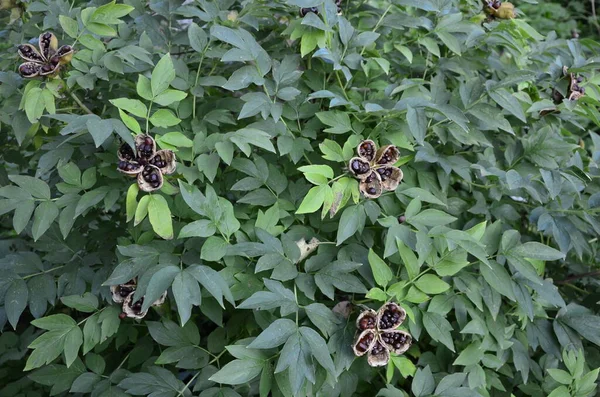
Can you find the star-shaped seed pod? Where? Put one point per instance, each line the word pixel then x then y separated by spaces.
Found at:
pixel 123 293
pixel 377 336
pixel 149 164
pixel 374 168
pixel 47 60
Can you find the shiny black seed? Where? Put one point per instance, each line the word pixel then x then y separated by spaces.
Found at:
pixel 371 190
pixel 46 68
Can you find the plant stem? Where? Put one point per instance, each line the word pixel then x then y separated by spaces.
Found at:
pixel 44 272
pixel 81 105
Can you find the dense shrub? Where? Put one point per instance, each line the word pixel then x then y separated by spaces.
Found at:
pixel 260 238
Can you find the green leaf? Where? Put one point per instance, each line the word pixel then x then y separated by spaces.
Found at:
pixel 15 300
pixel 213 282
pixel 318 348
pixel 43 217
pixel 164 118
pixel 213 249
pixel 535 250
pixel 352 220
pixel 381 271
pixel 131 201
pixel 169 97
pixel 439 329
pixel 322 316
pixel 201 228
pixel 86 303
pixel 238 372
pixel 162 75
pixel 431 217
pixel 34 186
pixel 69 25
pixel 423 383
pixel 431 284
pixel 560 376
pixel 160 216
pixel 275 335
pixel 313 200
pixel 198 37
pixel 339 122
pixel 133 106
pixel 409 259
pixel 187 294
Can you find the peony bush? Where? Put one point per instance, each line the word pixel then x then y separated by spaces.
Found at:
pixel 299 198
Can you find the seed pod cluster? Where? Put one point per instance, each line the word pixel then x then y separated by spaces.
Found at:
pixel 46 61
pixel 377 336
pixel 148 164
pixel 374 168
pixel 575 90
pixel 123 293
pixel 315 10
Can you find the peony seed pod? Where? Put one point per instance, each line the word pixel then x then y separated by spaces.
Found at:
pixel 165 161
pixel 390 177
pixel 150 178
pixel 359 167
pixel 379 355
pixel 390 316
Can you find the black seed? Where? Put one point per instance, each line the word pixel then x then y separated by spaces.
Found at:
pixel 371 190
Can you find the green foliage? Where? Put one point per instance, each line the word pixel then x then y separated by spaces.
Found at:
pixel 261 239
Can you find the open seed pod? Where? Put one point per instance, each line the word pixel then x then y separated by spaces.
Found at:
pixel 396 341
pixel 304 11
pixel 129 167
pixel 367 320
pixel 371 187
pixel 64 54
pixel 359 167
pixel 387 155
pixel 379 355
pixel 48 44
pixel 390 316
pixel 126 153
pixel 367 150
pixel 390 177
pixel 145 145
pixel 122 291
pixel 150 178
pixel 134 309
pixel 364 342
pixel 30 69
pixel 165 161
pixel 30 53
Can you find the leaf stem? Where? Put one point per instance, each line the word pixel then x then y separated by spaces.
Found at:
pixel 81 105
pixel 44 272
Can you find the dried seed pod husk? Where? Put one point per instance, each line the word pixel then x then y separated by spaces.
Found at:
pixel 371 187
pixel 390 177
pixel 165 161
pixel 145 146
pixel 160 300
pixel 134 309
pixel 367 150
pixel 30 69
pixel 389 316
pixel 150 178
pixel 122 291
pixel 387 155
pixel 396 341
pixel 367 320
pixel 30 53
pixel 364 342
pixel 359 167
pixel 64 54
pixel 343 308
pixel 129 167
pixel 379 355
pixel 126 153
pixel 48 44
